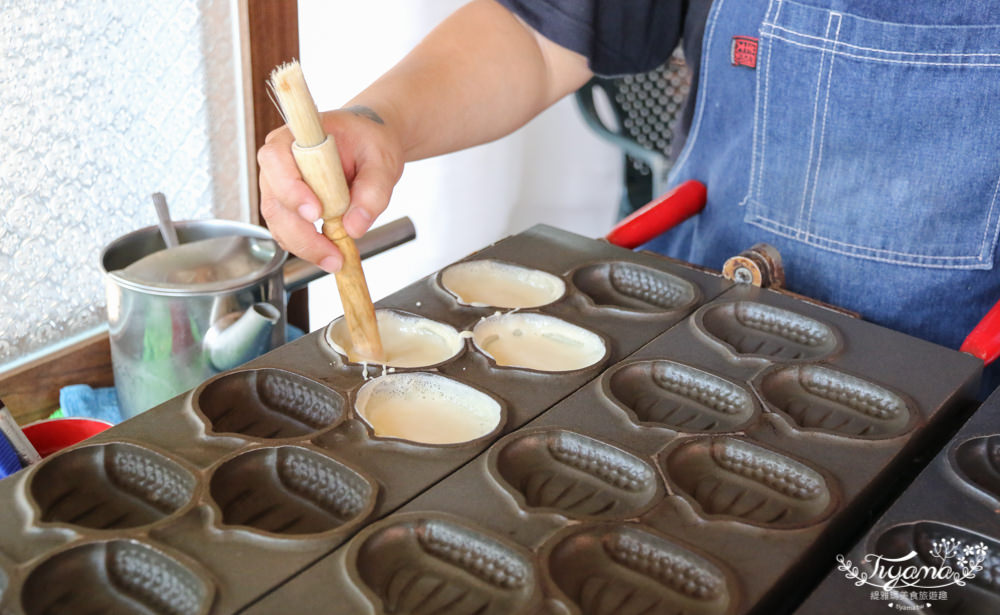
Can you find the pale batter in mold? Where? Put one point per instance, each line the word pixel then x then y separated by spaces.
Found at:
pixel 426 408
pixel 407 340
pixel 537 341
pixel 497 284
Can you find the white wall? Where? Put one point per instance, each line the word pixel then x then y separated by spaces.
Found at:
pixel 553 170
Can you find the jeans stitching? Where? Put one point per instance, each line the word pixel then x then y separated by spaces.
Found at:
pixel 885 60
pixel 822 134
pixel 788 231
pixel 760 77
pixel 763 112
pixel 991 222
pixel 774 26
pixel 689 144
pixel 808 176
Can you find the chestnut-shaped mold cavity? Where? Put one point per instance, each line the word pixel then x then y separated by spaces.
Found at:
pixel 575 475
pixel 633 287
pixel 431 565
pixel 733 479
pixel 110 487
pixel 408 340
pixel 978 463
pixel 427 408
pixel 538 341
pixel 494 283
pixel 117 577
pixel 755 329
pixel 268 403
pixel 665 393
pixel 817 398
pixel 290 490
pixel 617 569
pixel 937 545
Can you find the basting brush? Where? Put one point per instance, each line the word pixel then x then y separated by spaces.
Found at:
pixel 319 163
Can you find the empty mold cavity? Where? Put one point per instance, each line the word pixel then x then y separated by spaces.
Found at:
pixel 503 285
pixel 427 408
pixel 978 462
pixel 118 577
pixel 818 398
pixel 634 287
pixel 614 570
pixel 756 329
pixel 268 403
pixel 408 340
pixel 440 566
pixel 537 341
pixel 931 541
pixel 290 490
pixel 110 486
pixel 668 394
pixel 732 478
pixel 578 476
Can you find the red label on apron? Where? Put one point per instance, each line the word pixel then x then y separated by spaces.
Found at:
pixel 744 51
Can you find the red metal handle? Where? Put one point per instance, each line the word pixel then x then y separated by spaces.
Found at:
pixel 659 215
pixel 984 340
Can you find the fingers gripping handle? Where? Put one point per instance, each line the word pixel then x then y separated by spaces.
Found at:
pixel 322 171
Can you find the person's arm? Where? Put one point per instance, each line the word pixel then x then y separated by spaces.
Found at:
pixel 478 76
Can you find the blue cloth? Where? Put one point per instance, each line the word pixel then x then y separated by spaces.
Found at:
pixel 82 400
pixel 293 333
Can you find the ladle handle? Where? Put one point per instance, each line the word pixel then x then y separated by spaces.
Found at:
pixel 298 273
pixel 660 214
pixel 167 229
pixel 984 340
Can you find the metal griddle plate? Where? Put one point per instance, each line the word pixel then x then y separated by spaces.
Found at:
pixel 728 444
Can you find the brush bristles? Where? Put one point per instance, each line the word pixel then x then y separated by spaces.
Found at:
pixel 296 104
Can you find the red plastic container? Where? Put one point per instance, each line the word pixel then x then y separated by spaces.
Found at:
pixel 52 435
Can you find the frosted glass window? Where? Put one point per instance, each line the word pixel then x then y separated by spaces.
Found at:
pixel 101 104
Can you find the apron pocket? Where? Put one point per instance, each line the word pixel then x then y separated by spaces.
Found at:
pixel 878 140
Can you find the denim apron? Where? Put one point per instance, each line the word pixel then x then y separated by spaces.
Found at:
pixel 864 145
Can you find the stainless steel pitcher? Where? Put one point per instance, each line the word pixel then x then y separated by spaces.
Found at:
pixel 167 339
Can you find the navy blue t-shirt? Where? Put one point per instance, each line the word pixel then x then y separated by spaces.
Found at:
pixel 620 37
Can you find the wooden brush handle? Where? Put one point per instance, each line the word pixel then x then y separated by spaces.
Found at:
pixel 321 169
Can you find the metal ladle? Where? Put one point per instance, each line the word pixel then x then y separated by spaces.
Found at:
pixel 166 224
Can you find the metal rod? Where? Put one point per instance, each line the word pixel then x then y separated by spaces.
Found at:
pixel 299 273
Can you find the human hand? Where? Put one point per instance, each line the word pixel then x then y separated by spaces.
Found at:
pixel 372 157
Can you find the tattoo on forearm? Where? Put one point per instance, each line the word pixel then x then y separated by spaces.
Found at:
pixel 368 112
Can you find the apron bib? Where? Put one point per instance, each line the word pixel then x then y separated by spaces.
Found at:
pixel 861 142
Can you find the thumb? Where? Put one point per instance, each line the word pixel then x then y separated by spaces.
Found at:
pixel 370 192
